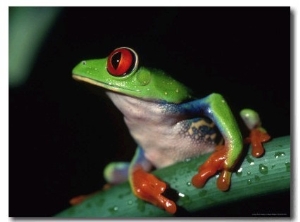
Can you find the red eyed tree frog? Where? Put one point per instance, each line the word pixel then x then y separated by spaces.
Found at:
pixel 168 125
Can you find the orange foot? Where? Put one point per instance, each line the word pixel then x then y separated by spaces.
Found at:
pixel 256 138
pixel 147 187
pixel 215 163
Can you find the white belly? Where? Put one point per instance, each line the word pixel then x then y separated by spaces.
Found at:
pixel 166 137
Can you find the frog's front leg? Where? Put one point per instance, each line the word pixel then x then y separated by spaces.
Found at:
pixel 146 186
pixel 225 156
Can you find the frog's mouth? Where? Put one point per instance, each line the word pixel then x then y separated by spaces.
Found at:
pixel 102 84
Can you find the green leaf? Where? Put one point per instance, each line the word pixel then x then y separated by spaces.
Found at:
pixel 253 178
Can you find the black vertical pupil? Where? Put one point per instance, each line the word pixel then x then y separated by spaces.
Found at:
pixel 116 60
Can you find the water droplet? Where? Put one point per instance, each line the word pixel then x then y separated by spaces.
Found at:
pixel 248 173
pixel 249 160
pixel 113 209
pixel 129 202
pixel 188 183
pixel 187 160
pixel 249 181
pixel 239 172
pixel 288 166
pixel 263 169
pixel 181 194
pixel 279 154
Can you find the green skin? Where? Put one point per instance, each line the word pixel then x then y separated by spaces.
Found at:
pixel 151 99
pixel 143 84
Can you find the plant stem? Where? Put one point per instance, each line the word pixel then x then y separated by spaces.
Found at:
pixel 254 177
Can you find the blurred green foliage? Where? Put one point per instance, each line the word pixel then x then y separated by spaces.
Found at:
pixel 28 27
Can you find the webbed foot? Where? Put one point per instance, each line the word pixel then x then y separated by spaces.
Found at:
pixel 215 163
pixel 256 138
pixel 147 187
pixel 258 134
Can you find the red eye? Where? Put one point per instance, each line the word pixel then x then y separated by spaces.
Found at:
pixel 121 61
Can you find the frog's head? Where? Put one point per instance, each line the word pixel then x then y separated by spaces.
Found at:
pixel 120 72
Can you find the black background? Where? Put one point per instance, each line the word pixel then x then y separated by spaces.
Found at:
pixel 61 134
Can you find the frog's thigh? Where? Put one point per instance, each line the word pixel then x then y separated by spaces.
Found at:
pixel 116 172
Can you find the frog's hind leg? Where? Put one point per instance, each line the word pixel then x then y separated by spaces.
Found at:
pixel 258 135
